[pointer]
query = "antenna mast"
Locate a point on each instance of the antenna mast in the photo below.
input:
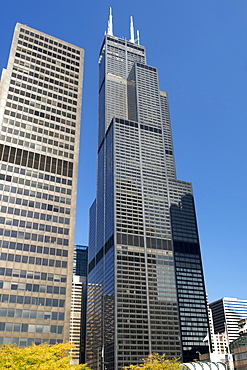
(132, 32)
(110, 24)
(138, 37)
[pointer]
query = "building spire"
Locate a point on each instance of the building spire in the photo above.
(132, 32)
(138, 37)
(110, 24)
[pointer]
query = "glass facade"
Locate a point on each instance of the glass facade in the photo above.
(80, 260)
(40, 110)
(146, 288)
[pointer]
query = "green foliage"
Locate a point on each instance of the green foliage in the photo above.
(41, 357)
(155, 362)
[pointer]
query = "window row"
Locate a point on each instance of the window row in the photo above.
(36, 237)
(33, 248)
(195, 319)
(29, 203)
(45, 50)
(36, 146)
(35, 160)
(125, 42)
(30, 214)
(196, 308)
(24, 342)
(46, 67)
(32, 287)
(189, 265)
(191, 281)
(49, 64)
(31, 314)
(31, 225)
(192, 289)
(32, 260)
(44, 86)
(30, 328)
(32, 145)
(48, 47)
(27, 110)
(132, 230)
(18, 137)
(26, 182)
(27, 54)
(45, 101)
(24, 72)
(37, 275)
(29, 135)
(198, 327)
(43, 92)
(39, 175)
(22, 77)
(7, 298)
(37, 194)
(36, 215)
(44, 38)
(62, 72)
(187, 255)
(182, 237)
(185, 272)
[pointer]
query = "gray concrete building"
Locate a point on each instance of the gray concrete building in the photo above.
(147, 289)
(40, 111)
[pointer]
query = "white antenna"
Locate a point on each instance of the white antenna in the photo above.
(138, 37)
(110, 25)
(132, 33)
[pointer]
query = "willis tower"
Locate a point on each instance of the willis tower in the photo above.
(146, 288)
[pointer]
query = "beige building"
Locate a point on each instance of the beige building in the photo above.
(40, 110)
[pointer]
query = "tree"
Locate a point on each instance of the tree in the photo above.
(155, 362)
(41, 357)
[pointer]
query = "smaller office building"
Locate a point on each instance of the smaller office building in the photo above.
(78, 304)
(226, 313)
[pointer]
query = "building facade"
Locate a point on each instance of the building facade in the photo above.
(40, 110)
(226, 313)
(219, 341)
(147, 287)
(78, 304)
(238, 348)
(80, 260)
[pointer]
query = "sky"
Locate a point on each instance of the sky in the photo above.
(200, 50)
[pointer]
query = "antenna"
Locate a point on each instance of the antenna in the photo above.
(110, 25)
(132, 32)
(138, 37)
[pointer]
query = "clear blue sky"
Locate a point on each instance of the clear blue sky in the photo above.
(200, 49)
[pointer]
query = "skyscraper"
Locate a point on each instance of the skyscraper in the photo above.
(226, 313)
(40, 109)
(147, 289)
